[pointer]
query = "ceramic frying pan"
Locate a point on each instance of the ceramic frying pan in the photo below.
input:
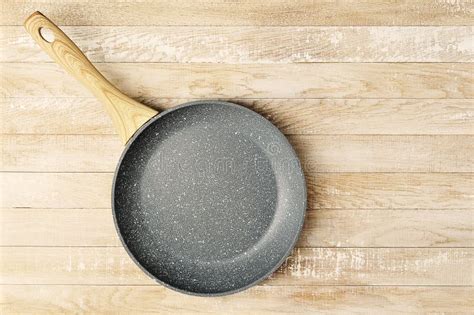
(208, 197)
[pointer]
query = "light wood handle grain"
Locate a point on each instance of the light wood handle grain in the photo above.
(127, 114)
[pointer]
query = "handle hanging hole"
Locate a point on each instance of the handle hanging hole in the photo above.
(46, 34)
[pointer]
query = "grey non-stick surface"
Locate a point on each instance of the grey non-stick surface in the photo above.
(209, 198)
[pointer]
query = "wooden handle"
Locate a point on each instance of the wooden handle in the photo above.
(127, 114)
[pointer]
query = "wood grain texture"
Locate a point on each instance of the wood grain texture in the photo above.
(376, 266)
(322, 228)
(58, 227)
(246, 12)
(388, 228)
(318, 153)
(253, 44)
(48, 115)
(127, 114)
(325, 190)
(392, 191)
(47, 299)
(315, 80)
(305, 266)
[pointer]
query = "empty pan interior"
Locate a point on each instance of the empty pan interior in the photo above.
(209, 198)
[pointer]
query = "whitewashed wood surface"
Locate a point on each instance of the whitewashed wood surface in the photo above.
(376, 97)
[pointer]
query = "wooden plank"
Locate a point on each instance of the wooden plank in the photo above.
(392, 191)
(377, 266)
(47, 299)
(311, 80)
(56, 190)
(325, 190)
(58, 227)
(355, 153)
(54, 116)
(70, 153)
(323, 228)
(252, 44)
(292, 116)
(246, 12)
(336, 153)
(388, 228)
(306, 266)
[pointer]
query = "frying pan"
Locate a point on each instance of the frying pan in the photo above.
(208, 198)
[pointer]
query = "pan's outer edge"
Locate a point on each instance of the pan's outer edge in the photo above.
(124, 152)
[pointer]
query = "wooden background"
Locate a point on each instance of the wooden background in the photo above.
(376, 96)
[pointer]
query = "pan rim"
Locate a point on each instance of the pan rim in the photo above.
(135, 260)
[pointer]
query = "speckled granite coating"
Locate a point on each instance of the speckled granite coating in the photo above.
(209, 198)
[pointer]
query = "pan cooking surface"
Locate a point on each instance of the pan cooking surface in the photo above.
(209, 198)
